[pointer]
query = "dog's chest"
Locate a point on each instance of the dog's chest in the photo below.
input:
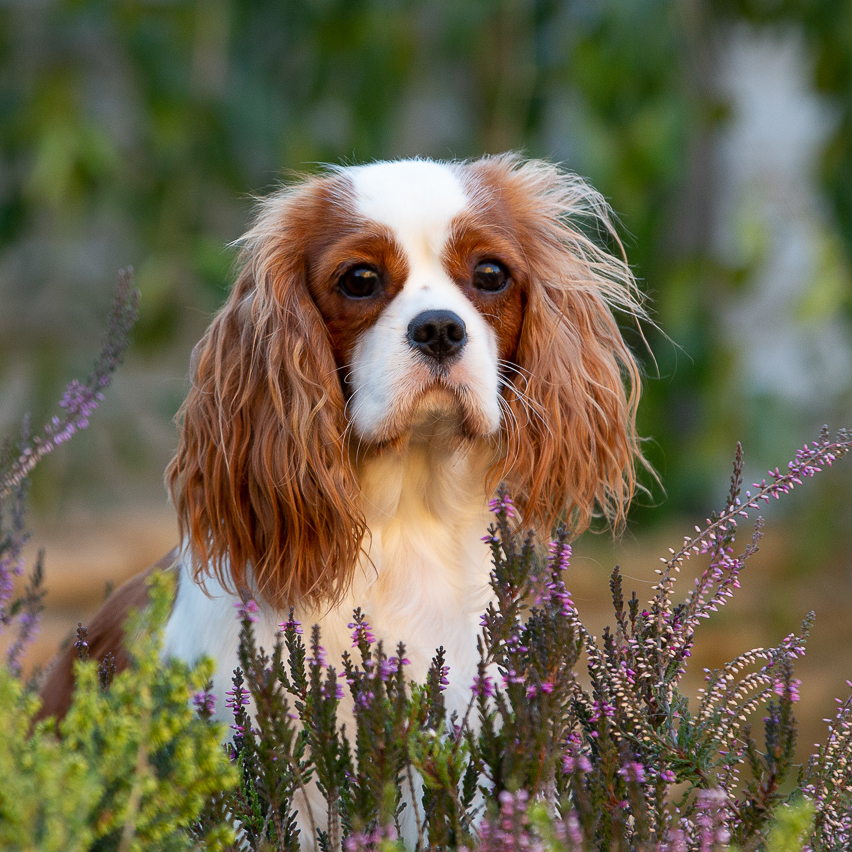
(422, 582)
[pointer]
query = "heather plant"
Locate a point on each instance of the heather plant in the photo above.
(132, 765)
(19, 617)
(539, 760)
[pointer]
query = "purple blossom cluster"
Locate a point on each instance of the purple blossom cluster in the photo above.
(318, 656)
(237, 697)
(361, 633)
(291, 624)
(78, 402)
(510, 831)
(369, 841)
(503, 504)
(204, 702)
(247, 610)
(483, 686)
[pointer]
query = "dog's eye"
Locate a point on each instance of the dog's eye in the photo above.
(490, 276)
(359, 282)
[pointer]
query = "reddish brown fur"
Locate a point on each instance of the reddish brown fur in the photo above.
(106, 635)
(472, 241)
(346, 319)
(571, 444)
(261, 475)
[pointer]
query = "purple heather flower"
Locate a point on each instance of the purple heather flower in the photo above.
(512, 676)
(574, 760)
(711, 807)
(204, 701)
(365, 698)
(28, 622)
(81, 644)
(336, 688)
(291, 624)
(247, 610)
(237, 697)
(318, 657)
(633, 771)
(503, 504)
(560, 555)
(790, 690)
(601, 708)
(361, 633)
(483, 686)
(362, 841)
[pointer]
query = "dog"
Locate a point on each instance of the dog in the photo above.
(402, 337)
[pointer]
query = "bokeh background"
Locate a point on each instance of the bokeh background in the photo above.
(721, 132)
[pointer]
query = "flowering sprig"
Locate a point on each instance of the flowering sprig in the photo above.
(79, 399)
(78, 402)
(204, 702)
(362, 636)
(807, 462)
(503, 505)
(247, 610)
(825, 781)
(27, 610)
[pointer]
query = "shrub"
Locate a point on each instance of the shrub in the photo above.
(540, 761)
(132, 765)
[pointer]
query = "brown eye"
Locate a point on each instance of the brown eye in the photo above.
(360, 282)
(490, 276)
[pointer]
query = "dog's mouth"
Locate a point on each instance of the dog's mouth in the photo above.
(439, 410)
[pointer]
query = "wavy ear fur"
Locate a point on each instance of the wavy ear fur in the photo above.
(261, 480)
(577, 384)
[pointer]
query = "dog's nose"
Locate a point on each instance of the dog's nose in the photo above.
(438, 334)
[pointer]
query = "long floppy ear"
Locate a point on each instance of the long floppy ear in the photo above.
(575, 451)
(261, 481)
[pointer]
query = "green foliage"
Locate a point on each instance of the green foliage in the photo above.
(540, 760)
(791, 827)
(131, 766)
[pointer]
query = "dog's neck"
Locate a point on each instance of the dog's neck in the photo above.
(426, 505)
(431, 474)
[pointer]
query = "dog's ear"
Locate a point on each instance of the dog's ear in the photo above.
(572, 443)
(261, 480)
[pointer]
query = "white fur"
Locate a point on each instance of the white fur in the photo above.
(418, 200)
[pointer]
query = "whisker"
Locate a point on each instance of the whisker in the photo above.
(529, 405)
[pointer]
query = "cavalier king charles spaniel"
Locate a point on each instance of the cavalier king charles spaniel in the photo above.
(402, 337)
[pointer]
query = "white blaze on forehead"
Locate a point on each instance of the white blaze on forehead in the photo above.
(416, 199)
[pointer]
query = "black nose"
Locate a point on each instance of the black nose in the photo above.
(438, 334)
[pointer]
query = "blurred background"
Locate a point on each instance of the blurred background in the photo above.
(721, 133)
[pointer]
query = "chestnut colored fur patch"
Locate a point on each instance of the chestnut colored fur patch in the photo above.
(106, 635)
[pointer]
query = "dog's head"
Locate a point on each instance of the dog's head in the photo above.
(374, 301)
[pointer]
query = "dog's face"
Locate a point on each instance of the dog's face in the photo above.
(376, 301)
(422, 302)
